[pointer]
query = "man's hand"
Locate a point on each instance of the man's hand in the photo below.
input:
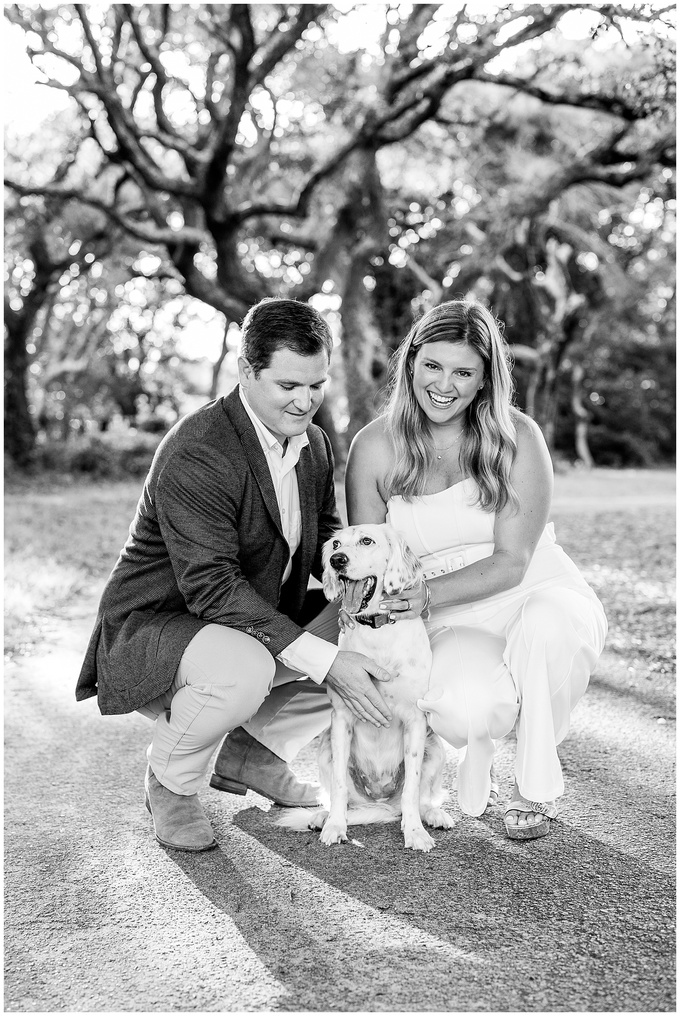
(349, 678)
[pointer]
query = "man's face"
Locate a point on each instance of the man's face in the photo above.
(287, 393)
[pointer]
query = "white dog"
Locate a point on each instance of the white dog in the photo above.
(375, 774)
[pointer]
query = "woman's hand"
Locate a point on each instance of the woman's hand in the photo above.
(345, 620)
(408, 605)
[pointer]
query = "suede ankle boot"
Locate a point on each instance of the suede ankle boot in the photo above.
(244, 764)
(179, 821)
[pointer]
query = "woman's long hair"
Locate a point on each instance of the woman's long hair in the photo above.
(489, 440)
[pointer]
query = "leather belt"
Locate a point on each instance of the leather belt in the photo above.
(449, 561)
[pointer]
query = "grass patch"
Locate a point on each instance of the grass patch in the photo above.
(606, 485)
(61, 541)
(628, 557)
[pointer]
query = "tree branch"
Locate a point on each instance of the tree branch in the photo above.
(266, 57)
(120, 120)
(587, 100)
(140, 230)
(103, 73)
(299, 207)
(425, 280)
(221, 148)
(152, 56)
(611, 11)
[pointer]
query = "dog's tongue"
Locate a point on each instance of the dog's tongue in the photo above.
(354, 594)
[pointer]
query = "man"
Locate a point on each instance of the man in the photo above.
(198, 624)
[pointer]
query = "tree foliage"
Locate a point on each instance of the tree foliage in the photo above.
(251, 152)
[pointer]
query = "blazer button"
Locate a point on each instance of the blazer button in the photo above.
(266, 639)
(250, 631)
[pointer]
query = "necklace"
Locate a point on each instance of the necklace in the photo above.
(446, 447)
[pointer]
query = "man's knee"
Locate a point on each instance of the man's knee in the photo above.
(225, 657)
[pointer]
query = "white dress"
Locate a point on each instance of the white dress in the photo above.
(524, 655)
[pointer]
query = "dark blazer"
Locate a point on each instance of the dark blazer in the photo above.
(205, 547)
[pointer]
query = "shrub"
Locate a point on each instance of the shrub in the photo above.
(618, 449)
(99, 456)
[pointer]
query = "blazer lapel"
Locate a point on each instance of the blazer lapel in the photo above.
(307, 489)
(256, 457)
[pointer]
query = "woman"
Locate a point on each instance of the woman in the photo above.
(467, 481)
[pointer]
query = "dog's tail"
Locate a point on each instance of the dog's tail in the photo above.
(374, 814)
(301, 820)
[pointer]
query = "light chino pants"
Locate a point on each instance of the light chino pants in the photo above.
(527, 665)
(224, 679)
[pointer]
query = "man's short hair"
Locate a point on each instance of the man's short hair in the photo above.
(276, 323)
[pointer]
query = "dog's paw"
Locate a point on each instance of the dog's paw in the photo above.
(418, 839)
(333, 832)
(437, 818)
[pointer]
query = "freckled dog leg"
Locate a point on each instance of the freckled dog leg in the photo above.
(415, 836)
(335, 826)
(319, 815)
(431, 790)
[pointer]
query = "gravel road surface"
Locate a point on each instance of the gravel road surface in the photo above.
(99, 918)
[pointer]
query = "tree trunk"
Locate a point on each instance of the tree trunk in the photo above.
(361, 349)
(324, 418)
(560, 327)
(581, 417)
(20, 432)
(546, 409)
(217, 366)
(533, 387)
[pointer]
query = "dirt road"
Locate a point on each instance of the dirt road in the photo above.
(100, 918)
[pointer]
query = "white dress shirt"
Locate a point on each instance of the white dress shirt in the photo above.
(308, 654)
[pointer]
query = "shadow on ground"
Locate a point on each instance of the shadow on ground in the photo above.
(561, 924)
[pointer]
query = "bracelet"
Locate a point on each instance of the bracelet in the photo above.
(428, 599)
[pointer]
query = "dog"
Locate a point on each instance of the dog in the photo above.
(373, 774)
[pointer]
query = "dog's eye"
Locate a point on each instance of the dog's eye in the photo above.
(336, 544)
(366, 541)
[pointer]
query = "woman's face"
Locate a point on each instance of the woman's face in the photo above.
(446, 378)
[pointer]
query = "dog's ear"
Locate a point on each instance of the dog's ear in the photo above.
(329, 579)
(403, 567)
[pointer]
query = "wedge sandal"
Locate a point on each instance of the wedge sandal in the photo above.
(537, 829)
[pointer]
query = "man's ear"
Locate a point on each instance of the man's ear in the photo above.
(245, 372)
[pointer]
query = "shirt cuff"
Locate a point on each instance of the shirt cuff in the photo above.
(310, 655)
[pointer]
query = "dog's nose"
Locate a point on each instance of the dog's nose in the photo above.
(339, 561)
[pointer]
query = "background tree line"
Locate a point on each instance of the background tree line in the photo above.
(214, 154)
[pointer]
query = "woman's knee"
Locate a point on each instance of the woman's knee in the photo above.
(472, 694)
(542, 616)
(561, 619)
(554, 643)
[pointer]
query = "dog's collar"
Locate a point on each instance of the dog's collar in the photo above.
(371, 620)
